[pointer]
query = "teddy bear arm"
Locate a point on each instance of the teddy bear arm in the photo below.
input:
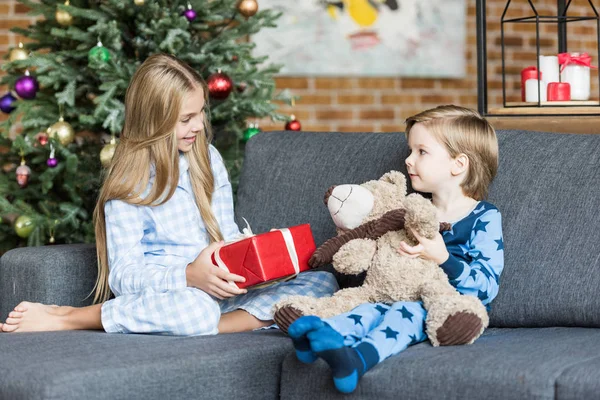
(390, 221)
(421, 216)
(355, 256)
(324, 254)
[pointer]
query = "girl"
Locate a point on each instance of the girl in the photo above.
(165, 206)
(454, 156)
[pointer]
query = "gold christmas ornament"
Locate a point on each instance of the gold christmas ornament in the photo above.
(62, 131)
(18, 53)
(248, 8)
(24, 226)
(107, 153)
(52, 229)
(63, 17)
(139, 2)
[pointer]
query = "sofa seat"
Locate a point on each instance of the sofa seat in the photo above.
(519, 363)
(98, 365)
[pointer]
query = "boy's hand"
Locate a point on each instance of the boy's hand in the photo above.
(429, 249)
(204, 275)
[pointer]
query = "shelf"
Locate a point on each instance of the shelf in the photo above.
(534, 110)
(570, 103)
(556, 124)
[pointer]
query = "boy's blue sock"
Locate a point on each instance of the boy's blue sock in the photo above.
(348, 364)
(298, 331)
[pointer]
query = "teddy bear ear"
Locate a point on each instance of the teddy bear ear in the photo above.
(396, 178)
(328, 194)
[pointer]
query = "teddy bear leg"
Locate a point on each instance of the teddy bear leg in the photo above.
(294, 307)
(452, 318)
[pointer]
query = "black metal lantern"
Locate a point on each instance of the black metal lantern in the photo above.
(561, 19)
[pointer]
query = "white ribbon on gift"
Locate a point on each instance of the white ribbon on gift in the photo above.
(247, 233)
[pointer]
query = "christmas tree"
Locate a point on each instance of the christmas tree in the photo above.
(67, 91)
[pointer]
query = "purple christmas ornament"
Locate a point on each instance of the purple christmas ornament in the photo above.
(52, 162)
(26, 87)
(7, 103)
(190, 14)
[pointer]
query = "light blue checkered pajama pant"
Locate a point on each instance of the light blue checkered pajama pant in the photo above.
(191, 311)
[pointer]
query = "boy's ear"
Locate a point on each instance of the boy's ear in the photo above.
(461, 164)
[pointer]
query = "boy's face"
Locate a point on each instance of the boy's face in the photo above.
(191, 120)
(429, 164)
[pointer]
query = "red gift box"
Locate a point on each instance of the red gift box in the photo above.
(268, 256)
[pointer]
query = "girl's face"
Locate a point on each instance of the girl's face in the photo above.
(429, 164)
(191, 120)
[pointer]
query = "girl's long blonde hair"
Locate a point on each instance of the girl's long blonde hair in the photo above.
(152, 106)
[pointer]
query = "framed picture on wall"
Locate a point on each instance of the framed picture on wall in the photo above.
(413, 38)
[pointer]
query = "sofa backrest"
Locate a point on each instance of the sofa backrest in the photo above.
(547, 190)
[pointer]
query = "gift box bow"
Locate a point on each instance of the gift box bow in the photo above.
(583, 59)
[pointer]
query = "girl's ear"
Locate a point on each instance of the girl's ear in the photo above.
(460, 164)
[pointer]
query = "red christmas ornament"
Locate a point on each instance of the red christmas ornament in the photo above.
(219, 85)
(293, 125)
(43, 139)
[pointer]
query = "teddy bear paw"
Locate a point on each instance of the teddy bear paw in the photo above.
(460, 328)
(285, 316)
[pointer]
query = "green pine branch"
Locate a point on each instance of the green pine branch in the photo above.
(90, 96)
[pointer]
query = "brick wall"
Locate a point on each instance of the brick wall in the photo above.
(381, 104)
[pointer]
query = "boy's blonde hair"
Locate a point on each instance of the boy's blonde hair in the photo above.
(464, 131)
(152, 106)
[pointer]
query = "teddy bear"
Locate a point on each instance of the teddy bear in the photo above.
(371, 221)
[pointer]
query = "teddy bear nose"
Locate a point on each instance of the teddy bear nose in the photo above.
(328, 194)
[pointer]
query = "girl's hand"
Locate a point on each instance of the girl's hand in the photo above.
(204, 275)
(429, 249)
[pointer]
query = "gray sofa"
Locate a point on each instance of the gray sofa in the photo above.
(543, 343)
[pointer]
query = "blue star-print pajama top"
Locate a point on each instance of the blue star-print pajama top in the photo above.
(473, 268)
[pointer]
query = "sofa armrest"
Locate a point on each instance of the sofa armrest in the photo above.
(63, 275)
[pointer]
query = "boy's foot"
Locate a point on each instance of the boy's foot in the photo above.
(347, 363)
(36, 317)
(298, 331)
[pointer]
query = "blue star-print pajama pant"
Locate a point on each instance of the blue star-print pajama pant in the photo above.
(390, 329)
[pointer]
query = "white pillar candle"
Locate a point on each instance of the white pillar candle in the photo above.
(531, 90)
(549, 68)
(578, 76)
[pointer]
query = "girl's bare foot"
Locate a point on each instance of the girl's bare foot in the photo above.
(36, 317)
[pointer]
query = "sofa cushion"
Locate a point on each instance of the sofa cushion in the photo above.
(548, 192)
(98, 365)
(286, 174)
(63, 275)
(503, 364)
(580, 381)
